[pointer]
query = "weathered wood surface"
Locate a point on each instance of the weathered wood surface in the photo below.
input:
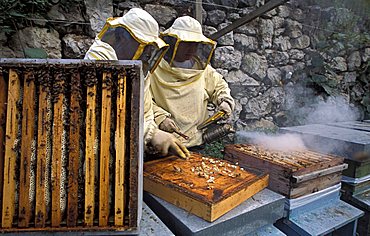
(120, 151)
(64, 115)
(43, 132)
(283, 166)
(67, 230)
(56, 167)
(352, 189)
(314, 185)
(104, 150)
(136, 118)
(74, 150)
(3, 101)
(10, 151)
(90, 156)
(204, 186)
(28, 131)
(359, 167)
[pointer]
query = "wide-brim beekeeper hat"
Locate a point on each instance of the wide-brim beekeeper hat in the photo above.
(141, 25)
(187, 29)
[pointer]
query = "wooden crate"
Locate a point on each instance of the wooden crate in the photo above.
(350, 188)
(356, 168)
(292, 174)
(72, 152)
(204, 186)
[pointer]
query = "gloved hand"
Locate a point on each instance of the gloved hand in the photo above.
(163, 142)
(224, 106)
(168, 125)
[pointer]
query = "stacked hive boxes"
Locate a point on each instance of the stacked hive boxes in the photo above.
(350, 140)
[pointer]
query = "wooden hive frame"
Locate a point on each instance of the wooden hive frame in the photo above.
(205, 186)
(292, 174)
(70, 145)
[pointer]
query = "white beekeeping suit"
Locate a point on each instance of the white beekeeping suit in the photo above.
(134, 36)
(184, 83)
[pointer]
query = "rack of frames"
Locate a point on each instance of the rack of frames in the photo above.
(71, 145)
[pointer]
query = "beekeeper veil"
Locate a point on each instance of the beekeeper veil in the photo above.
(189, 48)
(135, 37)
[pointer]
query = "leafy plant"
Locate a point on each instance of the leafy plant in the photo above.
(214, 149)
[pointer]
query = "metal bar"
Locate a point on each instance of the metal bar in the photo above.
(3, 100)
(74, 150)
(90, 153)
(315, 174)
(28, 131)
(56, 168)
(119, 204)
(104, 150)
(198, 11)
(245, 19)
(10, 152)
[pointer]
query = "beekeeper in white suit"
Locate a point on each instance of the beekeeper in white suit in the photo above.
(134, 36)
(184, 83)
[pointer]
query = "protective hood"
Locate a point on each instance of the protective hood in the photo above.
(142, 26)
(188, 45)
(100, 51)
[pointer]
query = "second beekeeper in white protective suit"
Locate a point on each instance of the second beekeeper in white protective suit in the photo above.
(184, 83)
(134, 36)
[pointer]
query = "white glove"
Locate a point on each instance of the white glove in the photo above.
(224, 106)
(168, 125)
(163, 142)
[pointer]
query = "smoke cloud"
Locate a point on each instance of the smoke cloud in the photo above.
(303, 106)
(281, 142)
(335, 109)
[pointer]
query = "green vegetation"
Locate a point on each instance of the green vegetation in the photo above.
(214, 149)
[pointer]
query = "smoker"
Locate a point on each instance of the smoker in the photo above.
(72, 153)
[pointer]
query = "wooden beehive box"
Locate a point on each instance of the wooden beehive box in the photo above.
(204, 186)
(355, 188)
(72, 149)
(357, 168)
(292, 174)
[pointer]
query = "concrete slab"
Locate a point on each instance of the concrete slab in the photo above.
(337, 216)
(151, 225)
(268, 230)
(357, 125)
(262, 209)
(330, 139)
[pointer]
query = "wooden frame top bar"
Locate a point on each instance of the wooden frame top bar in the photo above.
(18, 62)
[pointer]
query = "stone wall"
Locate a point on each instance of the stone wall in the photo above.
(279, 67)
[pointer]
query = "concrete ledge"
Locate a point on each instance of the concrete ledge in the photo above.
(262, 209)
